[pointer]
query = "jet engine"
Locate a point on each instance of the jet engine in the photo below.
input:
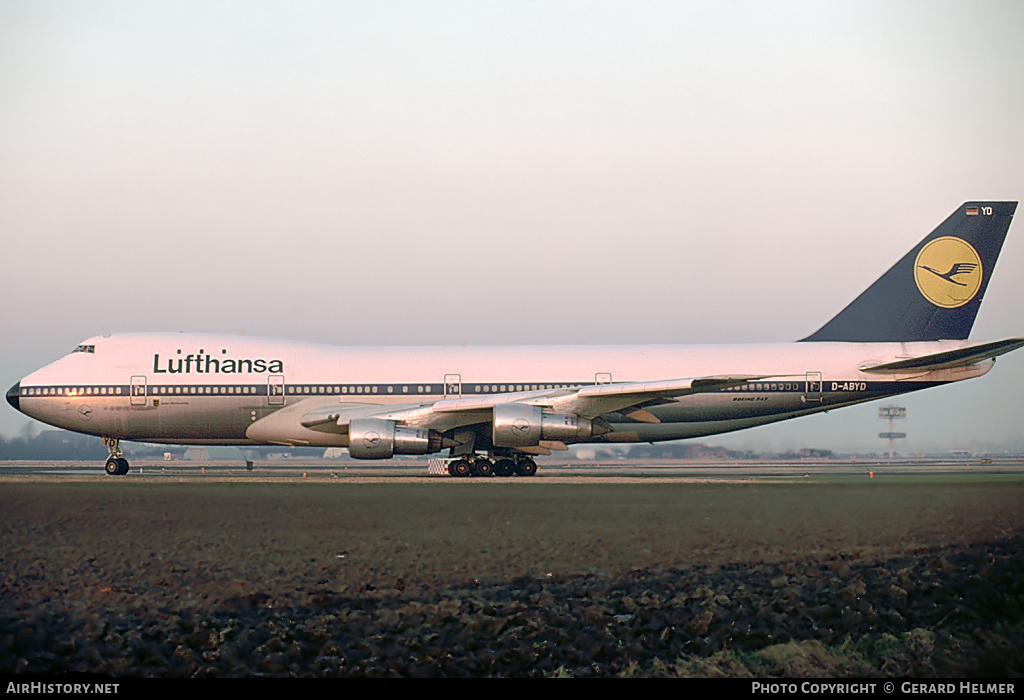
(377, 438)
(520, 425)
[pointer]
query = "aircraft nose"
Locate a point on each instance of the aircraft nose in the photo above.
(14, 396)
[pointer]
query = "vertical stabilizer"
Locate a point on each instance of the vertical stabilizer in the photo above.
(935, 290)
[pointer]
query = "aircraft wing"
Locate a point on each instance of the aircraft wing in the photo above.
(328, 418)
(595, 400)
(950, 358)
(587, 401)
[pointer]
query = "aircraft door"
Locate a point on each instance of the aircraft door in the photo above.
(452, 385)
(137, 392)
(812, 391)
(275, 390)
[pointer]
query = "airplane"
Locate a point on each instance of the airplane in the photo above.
(494, 409)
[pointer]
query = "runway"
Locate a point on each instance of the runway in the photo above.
(576, 472)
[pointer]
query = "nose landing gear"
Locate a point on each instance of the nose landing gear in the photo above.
(116, 464)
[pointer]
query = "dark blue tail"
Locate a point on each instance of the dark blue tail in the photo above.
(934, 292)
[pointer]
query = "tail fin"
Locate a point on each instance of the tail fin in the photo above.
(934, 292)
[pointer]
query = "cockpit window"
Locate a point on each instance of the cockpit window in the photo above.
(85, 348)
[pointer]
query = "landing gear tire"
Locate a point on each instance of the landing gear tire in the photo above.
(504, 467)
(526, 467)
(483, 467)
(117, 466)
(460, 467)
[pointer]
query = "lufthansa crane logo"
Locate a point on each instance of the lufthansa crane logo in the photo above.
(948, 272)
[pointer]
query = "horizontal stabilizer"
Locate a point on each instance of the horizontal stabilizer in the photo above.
(950, 358)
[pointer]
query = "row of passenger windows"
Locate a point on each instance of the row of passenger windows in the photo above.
(136, 389)
(306, 390)
(155, 390)
(419, 388)
(766, 386)
(501, 388)
(356, 389)
(72, 391)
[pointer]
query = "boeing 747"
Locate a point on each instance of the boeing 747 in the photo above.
(495, 408)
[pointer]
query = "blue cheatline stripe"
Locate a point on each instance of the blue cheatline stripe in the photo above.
(424, 389)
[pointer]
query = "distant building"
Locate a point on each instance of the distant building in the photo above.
(812, 453)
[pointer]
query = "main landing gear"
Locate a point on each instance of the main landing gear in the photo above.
(116, 464)
(482, 466)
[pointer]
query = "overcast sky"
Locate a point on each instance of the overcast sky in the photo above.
(504, 173)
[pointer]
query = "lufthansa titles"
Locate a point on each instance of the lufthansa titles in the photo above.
(202, 363)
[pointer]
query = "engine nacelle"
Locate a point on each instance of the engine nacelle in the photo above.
(378, 438)
(520, 425)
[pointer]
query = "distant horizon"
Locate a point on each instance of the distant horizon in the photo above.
(710, 442)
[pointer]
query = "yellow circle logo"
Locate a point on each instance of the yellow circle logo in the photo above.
(948, 272)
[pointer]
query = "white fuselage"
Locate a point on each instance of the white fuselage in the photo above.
(210, 389)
